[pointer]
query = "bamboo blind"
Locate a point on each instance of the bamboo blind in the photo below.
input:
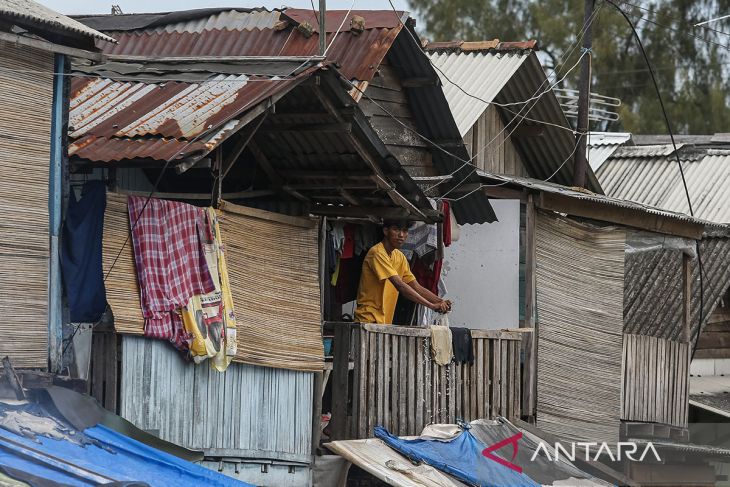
(25, 135)
(274, 274)
(580, 278)
(655, 380)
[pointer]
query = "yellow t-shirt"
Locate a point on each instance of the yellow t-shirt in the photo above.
(376, 296)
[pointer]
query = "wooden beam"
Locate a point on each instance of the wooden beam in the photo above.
(201, 196)
(239, 147)
(312, 127)
(271, 173)
(632, 217)
(687, 299)
(359, 211)
(51, 47)
(297, 221)
(529, 398)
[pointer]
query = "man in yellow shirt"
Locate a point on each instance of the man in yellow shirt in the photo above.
(385, 274)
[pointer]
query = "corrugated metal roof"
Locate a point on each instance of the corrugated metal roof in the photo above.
(113, 120)
(467, 71)
(637, 151)
(601, 145)
(511, 77)
(35, 13)
(711, 392)
(253, 33)
(652, 177)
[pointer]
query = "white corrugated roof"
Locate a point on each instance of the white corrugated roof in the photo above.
(651, 177)
(482, 74)
(602, 145)
(30, 10)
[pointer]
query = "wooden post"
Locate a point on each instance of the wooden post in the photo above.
(340, 380)
(687, 298)
(317, 411)
(529, 377)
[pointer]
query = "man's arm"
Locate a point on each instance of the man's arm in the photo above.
(410, 293)
(444, 304)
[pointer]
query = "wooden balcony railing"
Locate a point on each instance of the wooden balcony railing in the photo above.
(384, 375)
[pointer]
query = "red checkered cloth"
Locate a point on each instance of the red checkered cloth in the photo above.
(170, 262)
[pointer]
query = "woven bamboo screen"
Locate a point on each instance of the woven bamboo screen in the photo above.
(25, 136)
(580, 279)
(274, 273)
(273, 267)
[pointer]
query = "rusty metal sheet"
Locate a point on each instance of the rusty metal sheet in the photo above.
(357, 55)
(119, 120)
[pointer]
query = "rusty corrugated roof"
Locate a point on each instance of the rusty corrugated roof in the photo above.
(115, 120)
(263, 33)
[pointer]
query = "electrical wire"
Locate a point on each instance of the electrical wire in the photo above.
(678, 20)
(679, 165)
(352, 5)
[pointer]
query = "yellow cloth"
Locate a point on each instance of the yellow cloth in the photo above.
(441, 345)
(210, 319)
(376, 296)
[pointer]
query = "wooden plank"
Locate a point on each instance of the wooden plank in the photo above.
(481, 403)
(371, 378)
(653, 345)
(451, 399)
(268, 215)
(403, 380)
(363, 385)
(686, 297)
(411, 399)
(380, 384)
(503, 377)
(443, 394)
(495, 362)
(405, 331)
(340, 381)
(530, 392)
(420, 384)
(386, 381)
(427, 381)
(516, 382)
(459, 390)
(394, 385)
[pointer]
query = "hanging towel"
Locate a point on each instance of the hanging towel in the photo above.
(170, 262)
(83, 276)
(422, 239)
(441, 348)
(463, 350)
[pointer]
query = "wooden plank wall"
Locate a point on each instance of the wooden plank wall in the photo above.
(714, 341)
(397, 385)
(104, 369)
(412, 152)
(655, 380)
(501, 156)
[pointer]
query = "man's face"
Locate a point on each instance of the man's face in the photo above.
(395, 236)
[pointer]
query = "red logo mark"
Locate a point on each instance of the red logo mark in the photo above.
(511, 440)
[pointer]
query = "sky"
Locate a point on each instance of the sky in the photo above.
(72, 7)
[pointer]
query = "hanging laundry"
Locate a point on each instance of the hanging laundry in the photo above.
(427, 274)
(365, 238)
(447, 222)
(210, 319)
(81, 266)
(170, 262)
(422, 239)
(348, 278)
(337, 232)
(463, 351)
(348, 246)
(441, 347)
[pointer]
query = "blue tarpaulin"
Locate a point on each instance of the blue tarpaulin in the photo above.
(81, 254)
(99, 455)
(460, 457)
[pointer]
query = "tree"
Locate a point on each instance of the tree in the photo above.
(692, 64)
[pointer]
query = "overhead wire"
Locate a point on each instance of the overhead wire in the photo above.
(679, 165)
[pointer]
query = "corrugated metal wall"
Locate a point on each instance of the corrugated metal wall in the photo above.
(26, 98)
(247, 411)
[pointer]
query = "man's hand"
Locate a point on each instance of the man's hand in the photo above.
(441, 306)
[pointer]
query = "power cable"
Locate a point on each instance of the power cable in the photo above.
(679, 164)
